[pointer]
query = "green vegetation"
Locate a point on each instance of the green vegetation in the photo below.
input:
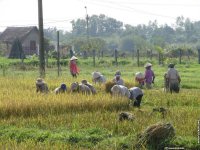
(74, 121)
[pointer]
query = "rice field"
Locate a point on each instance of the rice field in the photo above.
(30, 120)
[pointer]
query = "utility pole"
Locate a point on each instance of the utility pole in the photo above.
(41, 39)
(87, 19)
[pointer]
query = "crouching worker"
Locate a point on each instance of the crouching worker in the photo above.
(41, 86)
(93, 90)
(61, 89)
(97, 77)
(136, 95)
(118, 80)
(120, 90)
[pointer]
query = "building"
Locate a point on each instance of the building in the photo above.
(28, 36)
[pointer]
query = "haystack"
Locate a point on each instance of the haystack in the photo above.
(156, 136)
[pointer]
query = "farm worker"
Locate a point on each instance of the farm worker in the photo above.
(173, 78)
(85, 82)
(41, 86)
(139, 78)
(61, 89)
(73, 67)
(97, 77)
(136, 95)
(118, 80)
(149, 76)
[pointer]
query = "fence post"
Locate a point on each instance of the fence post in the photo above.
(116, 56)
(180, 56)
(199, 55)
(94, 53)
(138, 58)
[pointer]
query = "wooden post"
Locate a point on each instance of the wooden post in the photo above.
(133, 54)
(159, 58)
(116, 56)
(102, 53)
(180, 55)
(199, 55)
(188, 54)
(94, 53)
(138, 57)
(41, 39)
(58, 53)
(151, 54)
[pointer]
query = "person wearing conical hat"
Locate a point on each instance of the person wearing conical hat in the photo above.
(74, 70)
(149, 76)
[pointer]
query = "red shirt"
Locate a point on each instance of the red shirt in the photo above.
(73, 67)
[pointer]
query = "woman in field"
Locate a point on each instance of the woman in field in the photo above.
(74, 70)
(149, 76)
(136, 95)
(117, 79)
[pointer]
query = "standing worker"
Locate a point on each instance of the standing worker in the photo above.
(173, 78)
(74, 70)
(149, 76)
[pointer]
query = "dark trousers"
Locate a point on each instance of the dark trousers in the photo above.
(74, 75)
(138, 100)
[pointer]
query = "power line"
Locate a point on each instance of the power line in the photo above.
(149, 4)
(131, 9)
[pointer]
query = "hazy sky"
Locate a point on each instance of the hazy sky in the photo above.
(59, 13)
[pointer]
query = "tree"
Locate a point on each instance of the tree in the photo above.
(127, 44)
(17, 50)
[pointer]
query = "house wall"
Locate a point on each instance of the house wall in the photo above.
(32, 36)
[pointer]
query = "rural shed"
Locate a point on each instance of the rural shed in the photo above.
(28, 36)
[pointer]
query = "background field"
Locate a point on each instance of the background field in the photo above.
(74, 121)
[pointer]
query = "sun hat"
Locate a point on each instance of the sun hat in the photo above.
(73, 58)
(147, 65)
(40, 81)
(139, 75)
(96, 75)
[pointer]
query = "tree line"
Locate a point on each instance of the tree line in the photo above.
(107, 34)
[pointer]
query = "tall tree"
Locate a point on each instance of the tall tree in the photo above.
(16, 50)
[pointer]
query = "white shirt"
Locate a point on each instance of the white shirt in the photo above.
(172, 74)
(135, 92)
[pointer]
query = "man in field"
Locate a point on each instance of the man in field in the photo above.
(173, 78)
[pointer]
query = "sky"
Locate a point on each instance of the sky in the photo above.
(59, 13)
